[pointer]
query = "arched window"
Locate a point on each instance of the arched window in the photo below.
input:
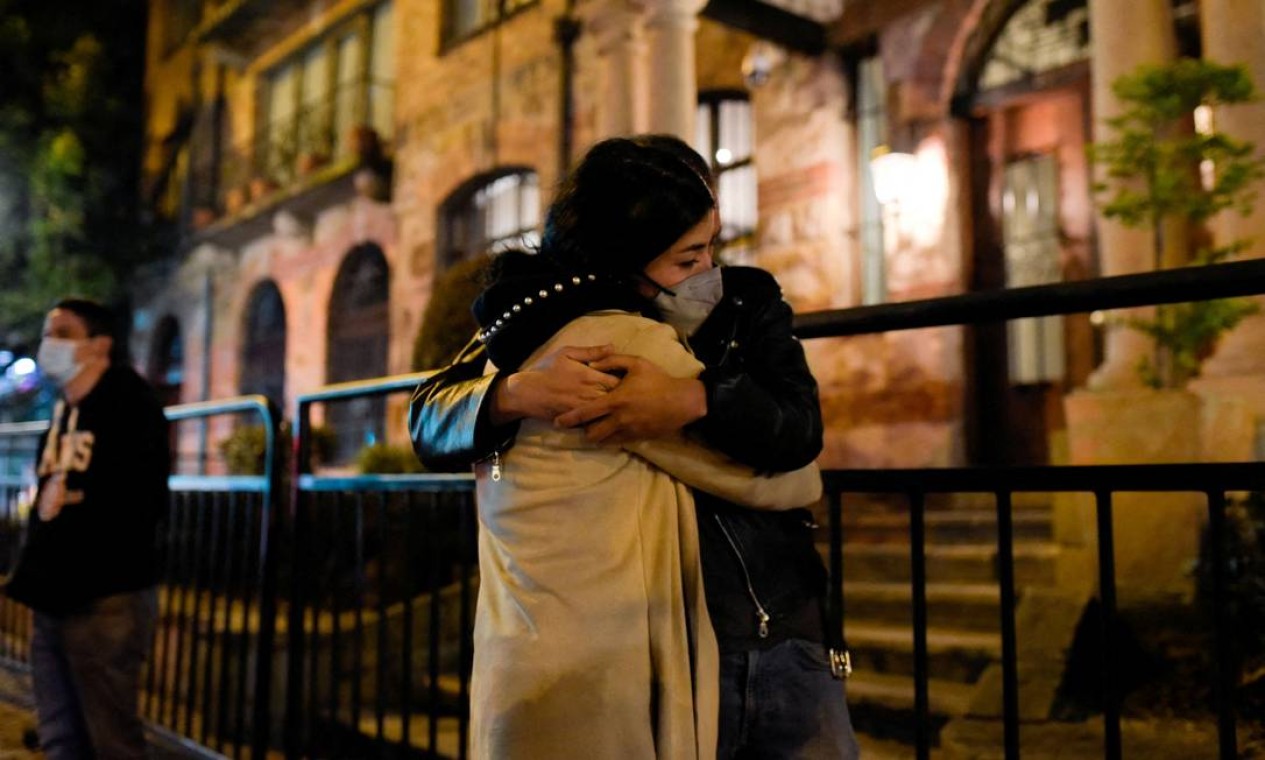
(726, 138)
(1042, 36)
(489, 214)
(263, 360)
(359, 334)
(166, 361)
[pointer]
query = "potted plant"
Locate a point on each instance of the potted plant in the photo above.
(235, 198)
(261, 186)
(311, 161)
(1164, 174)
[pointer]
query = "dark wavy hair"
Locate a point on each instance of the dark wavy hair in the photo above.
(626, 203)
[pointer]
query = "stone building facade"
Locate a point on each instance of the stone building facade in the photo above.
(325, 160)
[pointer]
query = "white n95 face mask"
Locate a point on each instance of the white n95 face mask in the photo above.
(687, 305)
(56, 359)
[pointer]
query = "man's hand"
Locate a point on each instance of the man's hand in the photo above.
(555, 386)
(647, 404)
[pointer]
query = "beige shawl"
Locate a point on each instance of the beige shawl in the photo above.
(592, 637)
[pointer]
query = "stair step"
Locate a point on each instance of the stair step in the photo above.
(967, 563)
(952, 655)
(896, 693)
(969, 606)
(952, 526)
(447, 738)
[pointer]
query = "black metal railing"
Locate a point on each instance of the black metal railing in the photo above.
(18, 455)
(209, 676)
(207, 682)
(379, 646)
(372, 576)
(1214, 481)
(1103, 483)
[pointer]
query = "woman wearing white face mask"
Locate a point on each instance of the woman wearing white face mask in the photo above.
(756, 401)
(592, 632)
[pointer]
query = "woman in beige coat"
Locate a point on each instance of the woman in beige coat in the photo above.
(591, 636)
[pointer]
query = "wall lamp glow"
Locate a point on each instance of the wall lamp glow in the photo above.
(894, 174)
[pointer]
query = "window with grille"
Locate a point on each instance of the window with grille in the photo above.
(466, 18)
(1042, 36)
(871, 132)
(491, 214)
(314, 100)
(726, 138)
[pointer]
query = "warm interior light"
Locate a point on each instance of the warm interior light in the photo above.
(893, 173)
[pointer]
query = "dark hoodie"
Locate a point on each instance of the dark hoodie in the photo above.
(113, 447)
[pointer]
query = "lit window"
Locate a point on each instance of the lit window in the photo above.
(314, 100)
(871, 132)
(1042, 36)
(725, 137)
(491, 214)
(1030, 237)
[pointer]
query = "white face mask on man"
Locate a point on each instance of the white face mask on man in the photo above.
(56, 359)
(687, 305)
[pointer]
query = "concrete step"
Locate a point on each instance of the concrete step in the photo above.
(896, 693)
(952, 655)
(967, 563)
(447, 729)
(947, 527)
(967, 606)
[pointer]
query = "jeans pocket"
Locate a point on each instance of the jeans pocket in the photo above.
(810, 654)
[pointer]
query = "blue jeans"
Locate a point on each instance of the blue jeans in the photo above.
(86, 669)
(783, 703)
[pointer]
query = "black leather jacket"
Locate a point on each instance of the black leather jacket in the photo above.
(762, 574)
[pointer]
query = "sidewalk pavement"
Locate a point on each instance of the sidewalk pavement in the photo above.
(17, 716)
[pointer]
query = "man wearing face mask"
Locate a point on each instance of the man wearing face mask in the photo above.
(88, 567)
(756, 401)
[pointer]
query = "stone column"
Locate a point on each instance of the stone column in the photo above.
(616, 28)
(670, 25)
(1234, 33)
(1125, 35)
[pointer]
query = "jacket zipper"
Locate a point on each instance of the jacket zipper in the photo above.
(496, 465)
(761, 614)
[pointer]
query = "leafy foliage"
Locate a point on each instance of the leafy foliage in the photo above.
(387, 459)
(244, 449)
(1154, 163)
(69, 154)
(448, 323)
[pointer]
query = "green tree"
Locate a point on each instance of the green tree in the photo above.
(1155, 161)
(70, 132)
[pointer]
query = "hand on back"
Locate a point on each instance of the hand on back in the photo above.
(554, 386)
(647, 403)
